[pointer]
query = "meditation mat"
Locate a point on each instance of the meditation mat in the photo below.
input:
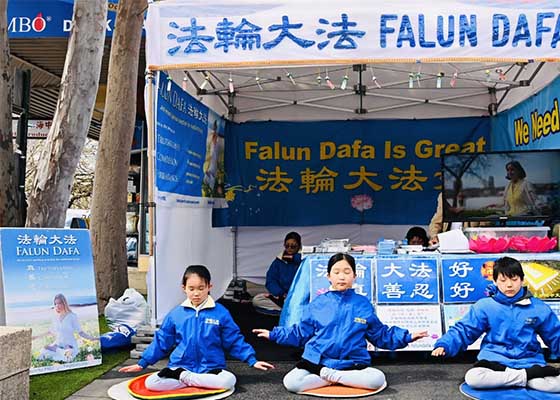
(512, 393)
(135, 389)
(343, 391)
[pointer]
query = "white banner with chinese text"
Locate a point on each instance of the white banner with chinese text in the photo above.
(196, 34)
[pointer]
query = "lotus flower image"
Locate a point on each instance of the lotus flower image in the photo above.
(361, 202)
(533, 244)
(482, 244)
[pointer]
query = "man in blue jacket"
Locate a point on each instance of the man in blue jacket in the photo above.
(510, 354)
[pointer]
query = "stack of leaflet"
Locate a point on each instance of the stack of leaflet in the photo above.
(333, 246)
(386, 246)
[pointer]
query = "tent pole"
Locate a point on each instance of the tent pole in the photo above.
(151, 129)
(360, 89)
(234, 231)
(150, 204)
(231, 115)
(361, 93)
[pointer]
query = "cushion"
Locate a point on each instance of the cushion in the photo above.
(509, 393)
(135, 388)
(342, 391)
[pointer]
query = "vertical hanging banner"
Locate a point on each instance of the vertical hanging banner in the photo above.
(49, 286)
(306, 32)
(189, 149)
(531, 125)
(341, 172)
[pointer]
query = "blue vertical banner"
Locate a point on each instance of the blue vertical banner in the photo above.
(363, 284)
(49, 286)
(465, 278)
(407, 280)
(341, 172)
(533, 124)
(189, 149)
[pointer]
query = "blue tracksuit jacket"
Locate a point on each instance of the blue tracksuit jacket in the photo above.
(281, 274)
(334, 330)
(511, 326)
(199, 339)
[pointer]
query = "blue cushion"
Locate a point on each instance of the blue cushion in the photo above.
(511, 393)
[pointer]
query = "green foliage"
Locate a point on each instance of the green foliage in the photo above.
(59, 385)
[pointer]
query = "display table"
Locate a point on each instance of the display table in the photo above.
(424, 291)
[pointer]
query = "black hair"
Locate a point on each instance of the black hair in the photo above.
(341, 256)
(199, 270)
(509, 267)
(294, 236)
(517, 166)
(417, 231)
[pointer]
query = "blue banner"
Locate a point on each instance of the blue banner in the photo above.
(48, 18)
(362, 285)
(407, 280)
(465, 278)
(49, 286)
(189, 148)
(341, 172)
(531, 125)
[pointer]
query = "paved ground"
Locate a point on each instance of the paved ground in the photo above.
(410, 375)
(407, 381)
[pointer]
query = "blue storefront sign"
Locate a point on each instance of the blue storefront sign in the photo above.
(407, 280)
(48, 18)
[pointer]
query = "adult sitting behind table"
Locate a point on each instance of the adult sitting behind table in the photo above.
(436, 223)
(279, 276)
(417, 236)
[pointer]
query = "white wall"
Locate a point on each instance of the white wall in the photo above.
(185, 236)
(257, 246)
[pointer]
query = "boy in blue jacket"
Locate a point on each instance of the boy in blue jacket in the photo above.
(197, 333)
(510, 354)
(280, 275)
(334, 330)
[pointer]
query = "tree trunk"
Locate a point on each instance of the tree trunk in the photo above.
(50, 194)
(8, 185)
(108, 211)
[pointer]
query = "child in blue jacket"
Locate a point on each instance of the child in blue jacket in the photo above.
(197, 333)
(280, 275)
(510, 354)
(334, 330)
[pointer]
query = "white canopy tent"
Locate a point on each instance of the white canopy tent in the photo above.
(294, 85)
